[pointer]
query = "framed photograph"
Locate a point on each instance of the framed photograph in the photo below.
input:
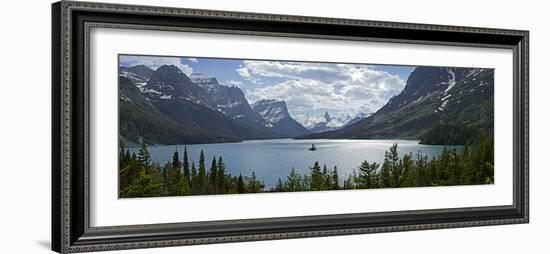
(181, 126)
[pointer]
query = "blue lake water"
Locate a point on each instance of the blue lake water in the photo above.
(274, 158)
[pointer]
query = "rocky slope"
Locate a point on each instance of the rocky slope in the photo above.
(276, 114)
(433, 97)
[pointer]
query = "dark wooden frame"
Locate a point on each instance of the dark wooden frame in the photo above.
(71, 22)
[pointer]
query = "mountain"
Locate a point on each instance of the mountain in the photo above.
(433, 97)
(140, 119)
(326, 122)
(203, 80)
(138, 74)
(171, 109)
(357, 118)
(169, 82)
(230, 100)
(276, 114)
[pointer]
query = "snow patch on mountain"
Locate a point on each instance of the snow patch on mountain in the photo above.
(328, 122)
(273, 111)
(452, 83)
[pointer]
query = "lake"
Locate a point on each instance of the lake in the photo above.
(274, 158)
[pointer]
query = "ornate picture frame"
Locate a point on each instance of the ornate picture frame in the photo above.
(71, 24)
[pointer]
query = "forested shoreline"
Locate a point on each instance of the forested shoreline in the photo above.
(139, 176)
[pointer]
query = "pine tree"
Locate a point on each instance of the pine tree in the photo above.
(143, 154)
(456, 169)
(186, 174)
(444, 167)
(432, 172)
(176, 163)
(317, 180)
(213, 176)
(327, 184)
(254, 186)
(407, 177)
(134, 156)
(202, 180)
(221, 176)
(335, 180)
(195, 186)
(421, 168)
(396, 167)
(351, 182)
(294, 181)
(121, 156)
(385, 172)
(280, 186)
(240, 185)
(368, 177)
(143, 185)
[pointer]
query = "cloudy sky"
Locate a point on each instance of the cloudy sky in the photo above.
(308, 88)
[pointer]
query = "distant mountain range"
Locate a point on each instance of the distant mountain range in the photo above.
(438, 106)
(327, 122)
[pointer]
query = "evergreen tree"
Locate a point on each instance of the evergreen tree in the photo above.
(280, 186)
(202, 180)
(317, 180)
(433, 172)
(443, 168)
(213, 176)
(134, 157)
(240, 185)
(421, 167)
(254, 185)
(351, 182)
(186, 173)
(220, 181)
(143, 154)
(407, 177)
(175, 183)
(294, 181)
(176, 163)
(395, 166)
(456, 168)
(143, 186)
(368, 178)
(335, 180)
(385, 172)
(195, 186)
(327, 185)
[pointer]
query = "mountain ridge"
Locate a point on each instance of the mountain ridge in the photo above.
(275, 112)
(166, 106)
(433, 96)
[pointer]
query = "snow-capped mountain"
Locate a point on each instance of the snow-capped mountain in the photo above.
(230, 100)
(169, 82)
(432, 97)
(327, 122)
(276, 114)
(138, 74)
(182, 111)
(203, 80)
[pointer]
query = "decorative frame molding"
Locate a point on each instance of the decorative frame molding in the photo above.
(71, 22)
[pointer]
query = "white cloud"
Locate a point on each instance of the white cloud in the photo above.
(234, 82)
(192, 59)
(341, 89)
(154, 62)
(243, 72)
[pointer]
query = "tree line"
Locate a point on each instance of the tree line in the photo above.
(139, 177)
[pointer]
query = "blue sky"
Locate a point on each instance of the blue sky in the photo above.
(308, 88)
